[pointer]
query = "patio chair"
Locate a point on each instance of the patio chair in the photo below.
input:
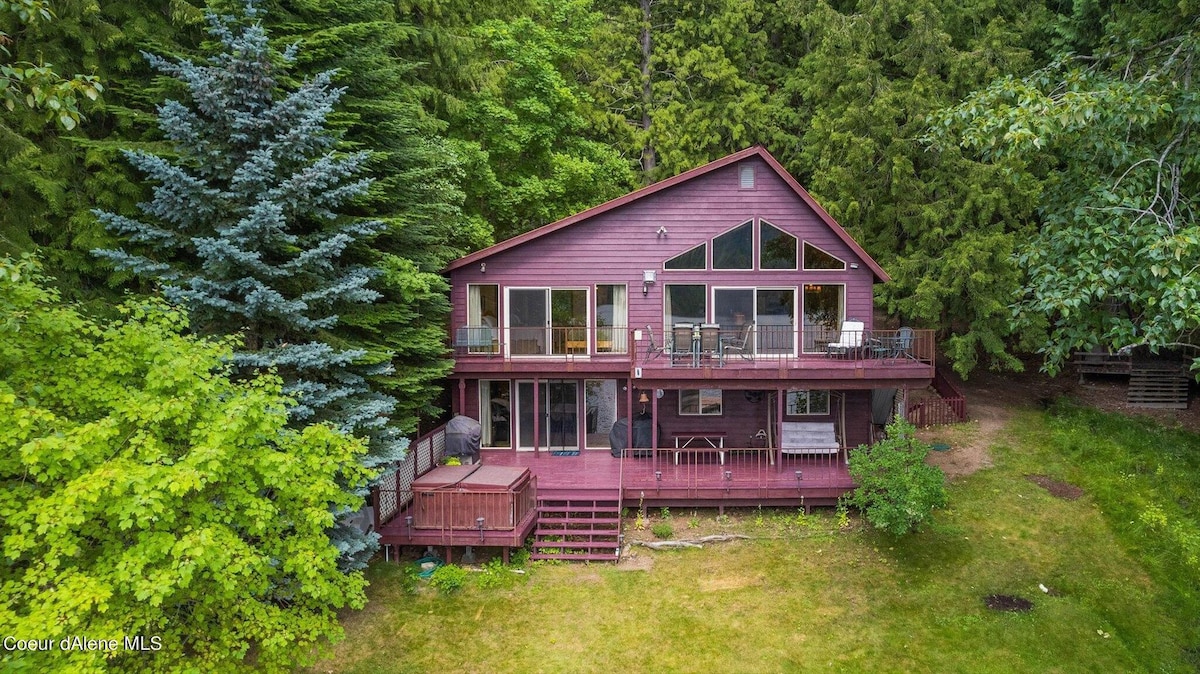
(710, 341)
(850, 340)
(681, 343)
(743, 343)
(903, 344)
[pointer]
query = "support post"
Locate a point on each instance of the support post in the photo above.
(537, 415)
(780, 397)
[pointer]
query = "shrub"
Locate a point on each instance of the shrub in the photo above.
(449, 578)
(897, 492)
(662, 530)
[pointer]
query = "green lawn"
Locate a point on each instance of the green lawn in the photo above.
(806, 595)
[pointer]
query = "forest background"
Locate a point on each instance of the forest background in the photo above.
(1026, 171)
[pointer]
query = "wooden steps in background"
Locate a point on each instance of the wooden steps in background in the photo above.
(1158, 385)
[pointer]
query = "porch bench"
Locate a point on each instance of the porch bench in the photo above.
(809, 437)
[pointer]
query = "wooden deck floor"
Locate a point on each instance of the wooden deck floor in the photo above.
(703, 479)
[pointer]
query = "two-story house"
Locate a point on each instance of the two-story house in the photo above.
(720, 317)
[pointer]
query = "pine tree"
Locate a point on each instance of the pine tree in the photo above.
(244, 230)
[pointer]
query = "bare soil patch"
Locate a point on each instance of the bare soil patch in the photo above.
(1056, 488)
(992, 397)
(1007, 602)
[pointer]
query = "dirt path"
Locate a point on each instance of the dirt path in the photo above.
(993, 398)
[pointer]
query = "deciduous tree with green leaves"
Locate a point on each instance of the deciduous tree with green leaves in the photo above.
(145, 492)
(1111, 134)
(897, 491)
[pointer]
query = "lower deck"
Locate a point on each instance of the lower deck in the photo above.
(707, 477)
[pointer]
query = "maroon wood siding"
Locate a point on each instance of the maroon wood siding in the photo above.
(616, 246)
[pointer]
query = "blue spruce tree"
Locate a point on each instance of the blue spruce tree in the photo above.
(243, 229)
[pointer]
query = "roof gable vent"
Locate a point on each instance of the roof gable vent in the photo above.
(746, 176)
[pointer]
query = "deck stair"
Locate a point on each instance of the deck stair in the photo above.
(1158, 384)
(578, 526)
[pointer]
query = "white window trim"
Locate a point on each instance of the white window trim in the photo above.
(797, 319)
(810, 413)
(508, 326)
(842, 309)
(700, 403)
(758, 249)
(712, 262)
(707, 259)
(845, 265)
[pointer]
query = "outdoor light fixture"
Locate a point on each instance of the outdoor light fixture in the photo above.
(799, 477)
(729, 476)
(479, 523)
(408, 520)
(649, 276)
(662, 231)
(482, 267)
(658, 475)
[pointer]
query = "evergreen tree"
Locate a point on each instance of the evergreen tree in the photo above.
(243, 229)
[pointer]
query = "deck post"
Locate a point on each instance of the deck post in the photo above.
(654, 422)
(780, 396)
(537, 415)
(462, 396)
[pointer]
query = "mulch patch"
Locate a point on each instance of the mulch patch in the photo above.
(1006, 602)
(1059, 489)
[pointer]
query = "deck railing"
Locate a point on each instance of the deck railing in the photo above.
(554, 342)
(451, 510)
(780, 345)
(394, 490)
(950, 407)
(739, 472)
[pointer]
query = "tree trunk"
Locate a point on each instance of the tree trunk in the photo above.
(649, 160)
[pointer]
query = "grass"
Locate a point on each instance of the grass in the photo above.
(809, 595)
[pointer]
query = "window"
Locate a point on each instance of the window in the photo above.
(495, 413)
(824, 311)
(776, 248)
(815, 258)
(694, 258)
(700, 402)
(735, 249)
(600, 400)
(483, 306)
(772, 310)
(545, 321)
(684, 304)
(802, 403)
(746, 176)
(612, 310)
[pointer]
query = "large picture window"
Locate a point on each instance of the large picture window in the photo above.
(684, 304)
(805, 403)
(700, 402)
(772, 310)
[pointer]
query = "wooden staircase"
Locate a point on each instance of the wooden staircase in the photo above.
(578, 526)
(1158, 384)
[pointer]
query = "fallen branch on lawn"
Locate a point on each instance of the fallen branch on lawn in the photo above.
(694, 543)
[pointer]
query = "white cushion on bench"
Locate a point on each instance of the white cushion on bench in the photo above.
(807, 437)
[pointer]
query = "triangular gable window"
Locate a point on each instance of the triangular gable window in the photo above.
(815, 258)
(735, 249)
(777, 248)
(694, 258)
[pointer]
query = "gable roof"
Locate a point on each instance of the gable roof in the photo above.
(755, 151)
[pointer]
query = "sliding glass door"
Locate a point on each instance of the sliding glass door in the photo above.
(772, 310)
(557, 414)
(547, 321)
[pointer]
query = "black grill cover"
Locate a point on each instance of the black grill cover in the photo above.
(462, 437)
(642, 432)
